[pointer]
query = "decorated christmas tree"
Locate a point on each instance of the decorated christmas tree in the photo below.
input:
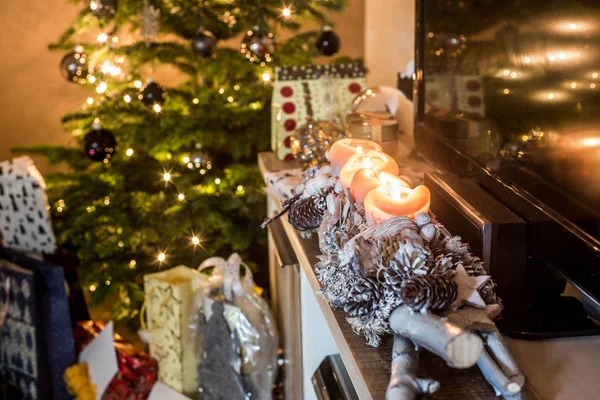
(164, 173)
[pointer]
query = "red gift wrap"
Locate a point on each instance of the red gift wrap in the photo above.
(137, 370)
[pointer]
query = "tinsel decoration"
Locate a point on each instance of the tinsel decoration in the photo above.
(104, 10)
(100, 144)
(311, 141)
(73, 65)
(149, 22)
(153, 93)
(328, 43)
(258, 45)
(203, 44)
(428, 293)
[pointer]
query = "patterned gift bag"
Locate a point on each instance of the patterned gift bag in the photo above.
(24, 219)
(169, 300)
(36, 342)
(320, 92)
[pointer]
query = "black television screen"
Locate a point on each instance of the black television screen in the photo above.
(511, 89)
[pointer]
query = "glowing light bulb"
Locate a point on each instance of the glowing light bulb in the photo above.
(195, 101)
(132, 264)
(573, 85)
(105, 67)
(592, 86)
(506, 72)
(286, 12)
(127, 98)
(181, 197)
(552, 57)
(551, 96)
(266, 77)
(195, 240)
(91, 78)
(102, 38)
(157, 108)
(514, 75)
(595, 75)
(107, 282)
(102, 86)
(217, 181)
(166, 177)
(506, 91)
(527, 60)
(129, 152)
(161, 257)
(236, 87)
(137, 84)
(93, 5)
(92, 288)
(230, 99)
(562, 55)
(240, 188)
(572, 27)
(114, 70)
(90, 100)
(221, 91)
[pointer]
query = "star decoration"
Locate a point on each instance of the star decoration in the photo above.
(468, 288)
(476, 319)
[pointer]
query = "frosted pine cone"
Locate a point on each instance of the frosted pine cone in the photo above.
(363, 298)
(428, 293)
(306, 214)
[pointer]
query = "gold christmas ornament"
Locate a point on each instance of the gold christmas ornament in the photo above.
(311, 141)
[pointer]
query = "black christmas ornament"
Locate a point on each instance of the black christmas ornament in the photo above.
(203, 44)
(73, 65)
(153, 93)
(100, 144)
(328, 43)
(104, 9)
(258, 45)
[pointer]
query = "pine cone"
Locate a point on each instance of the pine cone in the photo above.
(429, 292)
(414, 258)
(393, 276)
(363, 298)
(306, 214)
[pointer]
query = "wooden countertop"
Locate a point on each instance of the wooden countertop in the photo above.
(369, 367)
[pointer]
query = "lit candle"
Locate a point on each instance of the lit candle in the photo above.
(343, 149)
(394, 200)
(374, 160)
(367, 179)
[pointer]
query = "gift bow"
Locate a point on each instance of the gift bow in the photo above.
(229, 271)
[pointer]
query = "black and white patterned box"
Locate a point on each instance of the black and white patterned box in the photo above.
(24, 219)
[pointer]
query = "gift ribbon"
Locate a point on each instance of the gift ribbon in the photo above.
(4, 310)
(231, 274)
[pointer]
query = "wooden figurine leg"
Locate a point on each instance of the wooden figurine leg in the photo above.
(404, 384)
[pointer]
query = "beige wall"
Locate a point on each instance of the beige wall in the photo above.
(389, 39)
(33, 94)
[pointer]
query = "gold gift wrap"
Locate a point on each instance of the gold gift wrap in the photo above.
(379, 127)
(169, 299)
